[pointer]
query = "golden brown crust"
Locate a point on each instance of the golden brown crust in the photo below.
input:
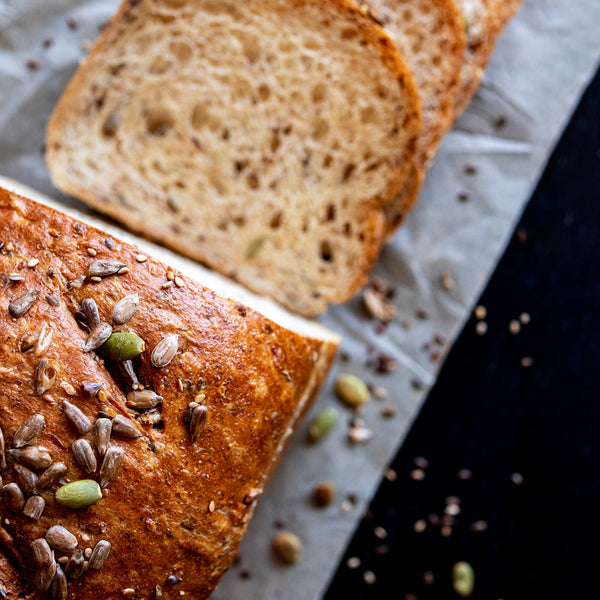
(405, 199)
(256, 379)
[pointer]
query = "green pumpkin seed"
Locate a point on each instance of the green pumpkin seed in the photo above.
(322, 424)
(463, 579)
(122, 345)
(79, 494)
(352, 390)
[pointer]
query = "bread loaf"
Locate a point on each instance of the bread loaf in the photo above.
(262, 138)
(200, 417)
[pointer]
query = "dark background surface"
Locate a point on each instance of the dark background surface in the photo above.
(489, 414)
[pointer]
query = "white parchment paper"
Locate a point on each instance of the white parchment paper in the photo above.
(494, 156)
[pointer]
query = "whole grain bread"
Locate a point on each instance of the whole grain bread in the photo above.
(174, 515)
(484, 21)
(262, 138)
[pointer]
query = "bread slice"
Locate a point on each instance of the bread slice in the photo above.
(262, 138)
(430, 36)
(484, 21)
(174, 515)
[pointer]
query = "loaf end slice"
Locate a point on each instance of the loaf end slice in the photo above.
(261, 138)
(175, 512)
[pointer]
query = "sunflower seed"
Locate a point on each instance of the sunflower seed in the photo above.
(19, 306)
(15, 277)
(91, 387)
(165, 350)
(76, 417)
(102, 429)
(97, 337)
(29, 430)
(143, 399)
(25, 478)
(61, 539)
(51, 475)
(198, 422)
(111, 465)
(42, 553)
(34, 457)
(44, 376)
(2, 450)
(68, 388)
(90, 309)
(99, 555)
(126, 367)
(34, 507)
(13, 496)
(59, 587)
(74, 566)
(44, 340)
(125, 309)
(84, 455)
(104, 268)
(125, 427)
(52, 300)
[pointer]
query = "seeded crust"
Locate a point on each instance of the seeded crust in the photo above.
(257, 379)
(261, 138)
(484, 20)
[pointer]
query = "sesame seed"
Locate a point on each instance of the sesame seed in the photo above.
(452, 509)
(92, 252)
(346, 506)
(211, 506)
(128, 592)
(369, 577)
(166, 285)
(87, 552)
(465, 474)
(428, 578)
(123, 271)
(446, 530)
(417, 474)
(514, 327)
(446, 282)
(480, 312)
(96, 279)
(525, 318)
(353, 562)
(179, 281)
(527, 362)
(517, 478)
(407, 323)
(141, 258)
(479, 526)
(391, 475)
(421, 462)
(481, 328)
(170, 275)
(380, 533)
(9, 247)
(420, 526)
(33, 262)
(63, 559)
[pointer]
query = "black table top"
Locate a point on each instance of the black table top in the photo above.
(517, 412)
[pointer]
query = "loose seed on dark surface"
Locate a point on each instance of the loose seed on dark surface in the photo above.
(99, 555)
(104, 268)
(61, 539)
(102, 430)
(28, 430)
(79, 494)
(352, 390)
(51, 475)
(517, 478)
(84, 455)
(322, 424)
(198, 422)
(143, 399)
(34, 507)
(44, 376)
(76, 417)
(125, 309)
(13, 496)
(165, 350)
(465, 474)
(463, 579)
(26, 479)
(34, 457)
(125, 427)
(99, 335)
(111, 465)
(323, 494)
(20, 305)
(479, 526)
(122, 345)
(287, 547)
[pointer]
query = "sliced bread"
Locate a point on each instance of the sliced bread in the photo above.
(262, 138)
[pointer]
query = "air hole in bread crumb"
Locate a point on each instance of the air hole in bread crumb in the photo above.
(318, 92)
(200, 115)
(326, 251)
(275, 142)
(172, 205)
(225, 134)
(327, 160)
(320, 129)
(110, 125)
(368, 114)
(222, 225)
(264, 91)
(250, 45)
(348, 34)
(330, 212)
(304, 226)
(275, 222)
(436, 61)
(381, 92)
(239, 221)
(159, 120)
(348, 229)
(407, 15)
(181, 51)
(181, 185)
(252, 181)
(159, 65)
(348, 170)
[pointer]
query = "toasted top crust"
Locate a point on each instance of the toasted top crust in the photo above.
(236, 141)
(254, 377)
